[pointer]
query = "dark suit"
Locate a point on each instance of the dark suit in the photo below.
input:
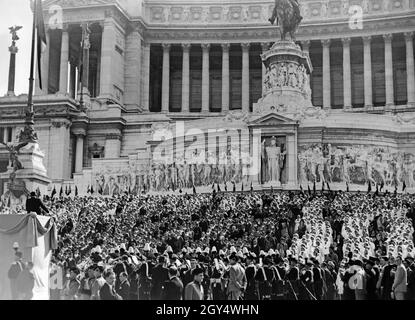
(107, 293)
(123, 289)
(159, 275)
(35, 205)
(172, 289)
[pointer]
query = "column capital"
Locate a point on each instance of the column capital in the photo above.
(367, 40)
(388, 37)
(166, 47)
(346, 41)
(205, 46)
(186, 46)
(409, 36)
(325, 43)
(225, 46)
(245, 46)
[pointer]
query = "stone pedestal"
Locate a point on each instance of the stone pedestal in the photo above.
(33, 176)
(286, 87)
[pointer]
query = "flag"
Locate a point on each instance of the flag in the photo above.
(88, 190)
(301, 189)
(382, 184)
(226, 187)
(377, 189)
(234, 186)
(252, 188)
(53, 192)
(309, 190)
(328, 186)
(272, 189)
(396, 190)
(347, 186)
(369, 187)
(69, 190)
(76, 191)
(314, 187)
(194, 190)
(322, 186)
(100, 191)
(219, 190)
(92, 190)
(61, 192)
(403, 186)
(41, 37)
(242, 187)
(38, 192)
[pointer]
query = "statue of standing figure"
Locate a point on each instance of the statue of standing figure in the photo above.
(13, 154)
(288, 16)
(273, 160)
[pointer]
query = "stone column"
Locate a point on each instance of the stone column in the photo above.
(165, 93)
(63, 74)
(146, 78)
(388, 72)
(132, 69)
(79, 155)
(347, 83)
(112, 145)
(367, 62)
(186, 77)
(12, 68)
(410, 76)
(107, 50)
(326, 74)
(205, 77)
(225, 77)
(291, 160)
(245, 77)
(264, 46)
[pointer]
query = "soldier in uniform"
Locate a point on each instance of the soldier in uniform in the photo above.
(318, 279)
(216, 283)
(145, 280)
(265, 277)
(278, 287)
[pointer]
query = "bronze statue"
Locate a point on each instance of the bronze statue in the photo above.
(13, 31)
(13, 153)
(287, 14)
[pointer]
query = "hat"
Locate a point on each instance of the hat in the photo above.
(233, 250)
(262, 253)
(271, 252)
(16, 245)
(198, 250)
(98, 249)
(221, 252)
(147, 247)
(207, 251)
(240, 254)
(245, 250)
(122, 246)
(169, 249)
(213, 249)
(131, 250)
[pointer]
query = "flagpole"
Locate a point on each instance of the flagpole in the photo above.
(28, 134)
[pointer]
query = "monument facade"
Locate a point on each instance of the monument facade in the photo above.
(181, 94)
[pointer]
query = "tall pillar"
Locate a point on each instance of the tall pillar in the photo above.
(264, 46)
(132, 69)
(410, 77)
(107, 50)
(245, 77)
(225, 77)
(388, 72)
(291, 160)
(165, 95)
(326, 74)
(205, 77)
(79, 151)
(347, 83)
(12, 68)
(186, 77)
(146, 78)
(367, 62)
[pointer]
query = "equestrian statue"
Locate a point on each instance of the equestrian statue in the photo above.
(288, 17)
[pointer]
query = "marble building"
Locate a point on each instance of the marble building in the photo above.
(154, 68)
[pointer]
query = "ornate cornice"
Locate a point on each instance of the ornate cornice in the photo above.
(59, 123)
(113, 136)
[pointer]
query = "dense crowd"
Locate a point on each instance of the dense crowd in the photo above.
(230, 246)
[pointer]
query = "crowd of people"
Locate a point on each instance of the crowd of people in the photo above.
(230, 246)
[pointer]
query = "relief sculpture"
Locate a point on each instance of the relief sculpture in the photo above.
(355, 165)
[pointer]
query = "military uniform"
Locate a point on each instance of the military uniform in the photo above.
(251, 292)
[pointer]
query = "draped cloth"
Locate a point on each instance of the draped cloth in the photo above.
(37, 237)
